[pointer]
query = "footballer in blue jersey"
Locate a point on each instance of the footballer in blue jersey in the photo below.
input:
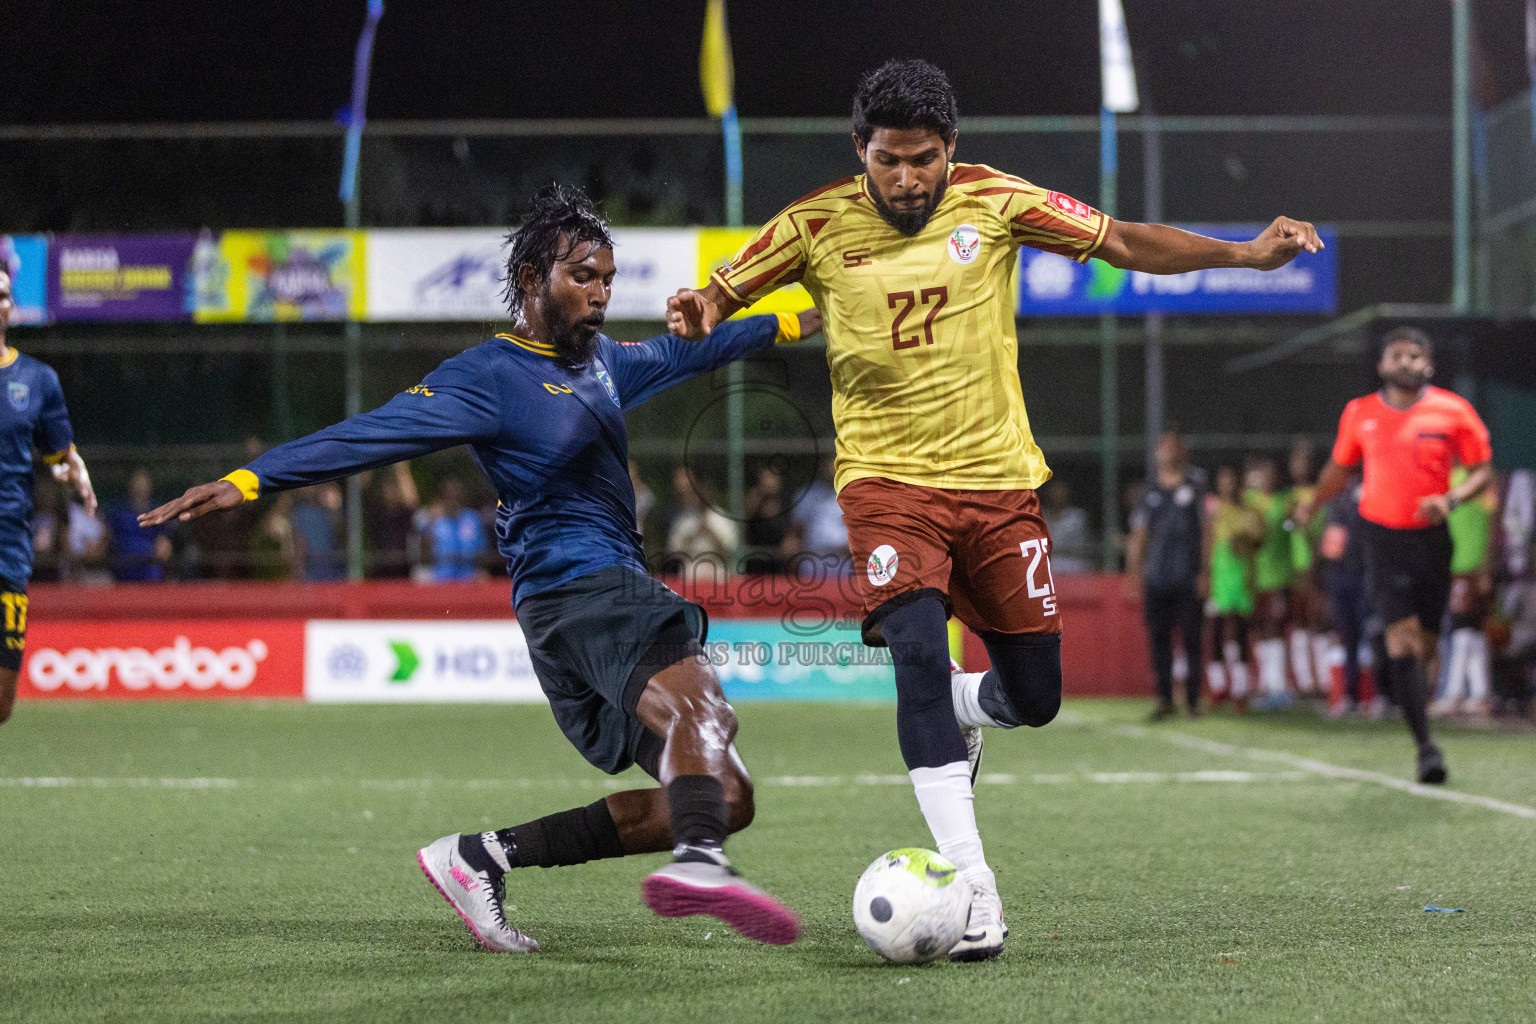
(618, 654)
(32, 416)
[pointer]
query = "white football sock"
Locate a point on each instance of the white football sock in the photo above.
(945, 796)
(1456, 665)
(1239, 671)
(1271, 658)
(965, 688)
(1477, 666)
(1216, 678)
(1301, 660)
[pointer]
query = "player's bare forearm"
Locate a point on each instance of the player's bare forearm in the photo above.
(197, 501)
(810, 322)
(1478, 479)
(1330, 484)
(1160, 249)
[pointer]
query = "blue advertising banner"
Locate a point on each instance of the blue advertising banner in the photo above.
(1051, 285)
(762, 659)
(26, 258)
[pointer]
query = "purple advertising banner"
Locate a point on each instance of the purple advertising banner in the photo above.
(120, 277)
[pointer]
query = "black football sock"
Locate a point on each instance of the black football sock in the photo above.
(555, 840)
(1023, 687)
(1411, 691)
(926, 729)
(699, 815)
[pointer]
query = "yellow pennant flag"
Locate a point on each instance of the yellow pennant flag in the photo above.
(717, 75)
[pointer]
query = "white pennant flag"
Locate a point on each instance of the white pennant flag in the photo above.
(1117, 78)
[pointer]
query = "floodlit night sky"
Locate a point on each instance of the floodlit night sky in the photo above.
(156, 60)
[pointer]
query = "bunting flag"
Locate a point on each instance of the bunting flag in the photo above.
(717, 73)
(1117, 78)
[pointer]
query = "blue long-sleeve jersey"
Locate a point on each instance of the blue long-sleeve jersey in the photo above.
(550, 438)
(31, 416)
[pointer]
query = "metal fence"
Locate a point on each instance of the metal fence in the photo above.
(185, 398)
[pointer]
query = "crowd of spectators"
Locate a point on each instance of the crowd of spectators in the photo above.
(1271, 611)
(448, 536)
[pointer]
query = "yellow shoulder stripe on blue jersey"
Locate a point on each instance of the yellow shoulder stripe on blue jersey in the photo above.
(244, 479)
(538, 347)
(9, 358)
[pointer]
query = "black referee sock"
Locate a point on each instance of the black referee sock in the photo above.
(555, 840)
(1411, 691)
(696, 804)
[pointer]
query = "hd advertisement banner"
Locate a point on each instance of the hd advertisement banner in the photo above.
(121, 277)
(412, 662)
(1051, 285)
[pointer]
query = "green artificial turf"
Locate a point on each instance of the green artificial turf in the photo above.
(285, 887)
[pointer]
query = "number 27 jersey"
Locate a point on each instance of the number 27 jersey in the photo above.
(921, 341)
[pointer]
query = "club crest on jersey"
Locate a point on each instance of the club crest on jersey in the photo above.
(883, 562)
(19, 395)
(613, 393)
(1066, 204)
(964, 244)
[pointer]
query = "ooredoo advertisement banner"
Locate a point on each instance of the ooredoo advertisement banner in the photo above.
(121, 277)
(195, 659)
(347, 661)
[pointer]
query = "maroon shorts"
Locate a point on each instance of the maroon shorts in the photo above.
(986, 554)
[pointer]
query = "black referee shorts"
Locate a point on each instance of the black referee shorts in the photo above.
(1409, 572)
(595, 642)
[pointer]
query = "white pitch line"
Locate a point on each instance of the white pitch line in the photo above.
(774, 781)
(1326, 770)
(65, 782)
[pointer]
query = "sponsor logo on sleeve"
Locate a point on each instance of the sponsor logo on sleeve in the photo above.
(1066, 204)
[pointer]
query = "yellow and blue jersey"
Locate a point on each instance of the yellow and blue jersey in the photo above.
(550, 438)
(32, 415)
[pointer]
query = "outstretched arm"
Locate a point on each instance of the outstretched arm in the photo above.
(642, 369)
(1159, 249)
(456, 404)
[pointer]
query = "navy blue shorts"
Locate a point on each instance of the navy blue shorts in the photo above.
(13, 623)
(594, 643)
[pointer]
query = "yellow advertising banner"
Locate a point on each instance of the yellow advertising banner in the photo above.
(282, 275)
(717, 245)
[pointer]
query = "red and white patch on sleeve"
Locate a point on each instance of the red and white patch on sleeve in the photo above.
(1066, 204)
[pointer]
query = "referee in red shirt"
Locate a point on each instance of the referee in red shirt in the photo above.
(1409, 436)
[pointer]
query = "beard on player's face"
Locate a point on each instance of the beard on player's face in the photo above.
(1408, 378)
(572, 331)
(908, 222)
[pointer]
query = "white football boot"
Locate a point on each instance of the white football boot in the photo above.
(474, 895)
(972, 733)
(985, 932)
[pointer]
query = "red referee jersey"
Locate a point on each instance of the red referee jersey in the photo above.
(1408, 453)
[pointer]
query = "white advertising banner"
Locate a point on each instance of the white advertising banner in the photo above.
(351, 661)
(457, 273)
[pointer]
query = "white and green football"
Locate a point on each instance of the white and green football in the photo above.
(910, 906)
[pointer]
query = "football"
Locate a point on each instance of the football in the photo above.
(910, 907)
